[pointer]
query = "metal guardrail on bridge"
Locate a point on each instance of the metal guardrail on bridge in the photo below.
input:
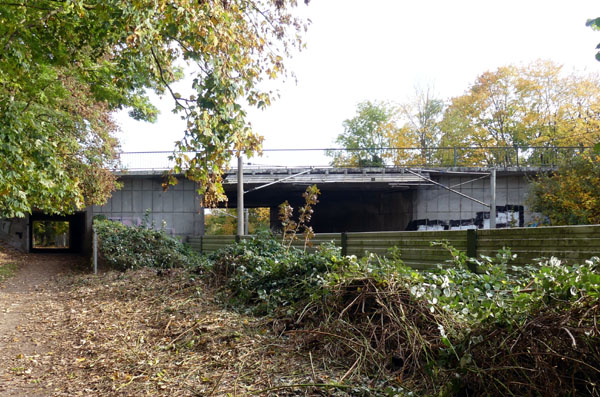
(513, 156)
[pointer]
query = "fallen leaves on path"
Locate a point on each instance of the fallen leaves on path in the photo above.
(143, 333)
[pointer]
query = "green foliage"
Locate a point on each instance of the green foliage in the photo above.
(364, 134)
(571, 196)
(130, 247)
(266, 276)
(499, 292)
(46, 232)
(66, 65)
(595, 24)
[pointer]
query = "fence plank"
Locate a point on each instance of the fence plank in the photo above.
(570, 243)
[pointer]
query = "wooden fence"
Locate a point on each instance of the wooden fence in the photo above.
(569, 243)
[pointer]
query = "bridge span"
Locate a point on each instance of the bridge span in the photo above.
(351, 200)
(392, 198)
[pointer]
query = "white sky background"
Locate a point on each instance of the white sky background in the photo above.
(361, 50)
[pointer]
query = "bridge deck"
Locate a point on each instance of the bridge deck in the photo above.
(325, 175)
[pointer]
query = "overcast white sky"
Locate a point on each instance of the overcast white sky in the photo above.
(381, 49)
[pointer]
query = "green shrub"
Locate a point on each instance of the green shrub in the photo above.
(129, 247)
(264, 275)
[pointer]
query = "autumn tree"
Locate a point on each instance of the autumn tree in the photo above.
(65, 65)
(224, 221)
(364, 135)
(571, 196)
(537, 105)
(420, 117)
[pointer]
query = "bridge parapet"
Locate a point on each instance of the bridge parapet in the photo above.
(448, 157)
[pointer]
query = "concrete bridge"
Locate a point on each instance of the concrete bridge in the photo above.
(379, 199)
(369, 199)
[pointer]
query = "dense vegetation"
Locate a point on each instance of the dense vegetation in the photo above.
(571, 196)
(124, 247)
(66, 65)
(224, 221)
(498, 331)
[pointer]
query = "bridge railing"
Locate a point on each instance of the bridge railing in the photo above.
(509, 156)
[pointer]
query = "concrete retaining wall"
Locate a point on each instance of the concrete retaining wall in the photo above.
(15, 232)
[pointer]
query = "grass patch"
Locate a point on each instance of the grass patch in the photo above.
(7, 270)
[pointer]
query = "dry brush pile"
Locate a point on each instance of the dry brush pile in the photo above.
(158, 333)
(498, 331)
(322, 323)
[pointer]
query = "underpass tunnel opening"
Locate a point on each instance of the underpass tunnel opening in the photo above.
(53, 233)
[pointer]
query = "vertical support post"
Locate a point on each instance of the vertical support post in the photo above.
(202, 221)
(246, 224)
(344, 243)
(493, 199)
(455, 156)
(95, 249)
(472, 247)
(240, 197)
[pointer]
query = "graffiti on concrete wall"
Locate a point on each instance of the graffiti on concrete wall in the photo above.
(506, 216)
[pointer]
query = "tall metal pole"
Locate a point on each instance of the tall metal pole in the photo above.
(493, 200)
(240, 197)
(95, 249)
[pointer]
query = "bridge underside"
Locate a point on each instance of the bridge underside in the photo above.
(341, 208)
(390, 199)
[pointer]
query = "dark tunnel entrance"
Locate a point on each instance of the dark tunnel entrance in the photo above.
(53, 233)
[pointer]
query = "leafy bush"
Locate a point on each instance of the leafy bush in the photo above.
(266, 275)
(548, 341)
(129, 247)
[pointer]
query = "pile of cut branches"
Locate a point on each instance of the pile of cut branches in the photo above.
(556, 351)
(376, 327)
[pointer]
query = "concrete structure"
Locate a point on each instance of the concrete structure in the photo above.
(15, 232)
(178, 207)
(378, 199)
(352, 200)
(434, 203)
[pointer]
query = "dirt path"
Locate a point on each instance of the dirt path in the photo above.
(27, 303)
(140, 333)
